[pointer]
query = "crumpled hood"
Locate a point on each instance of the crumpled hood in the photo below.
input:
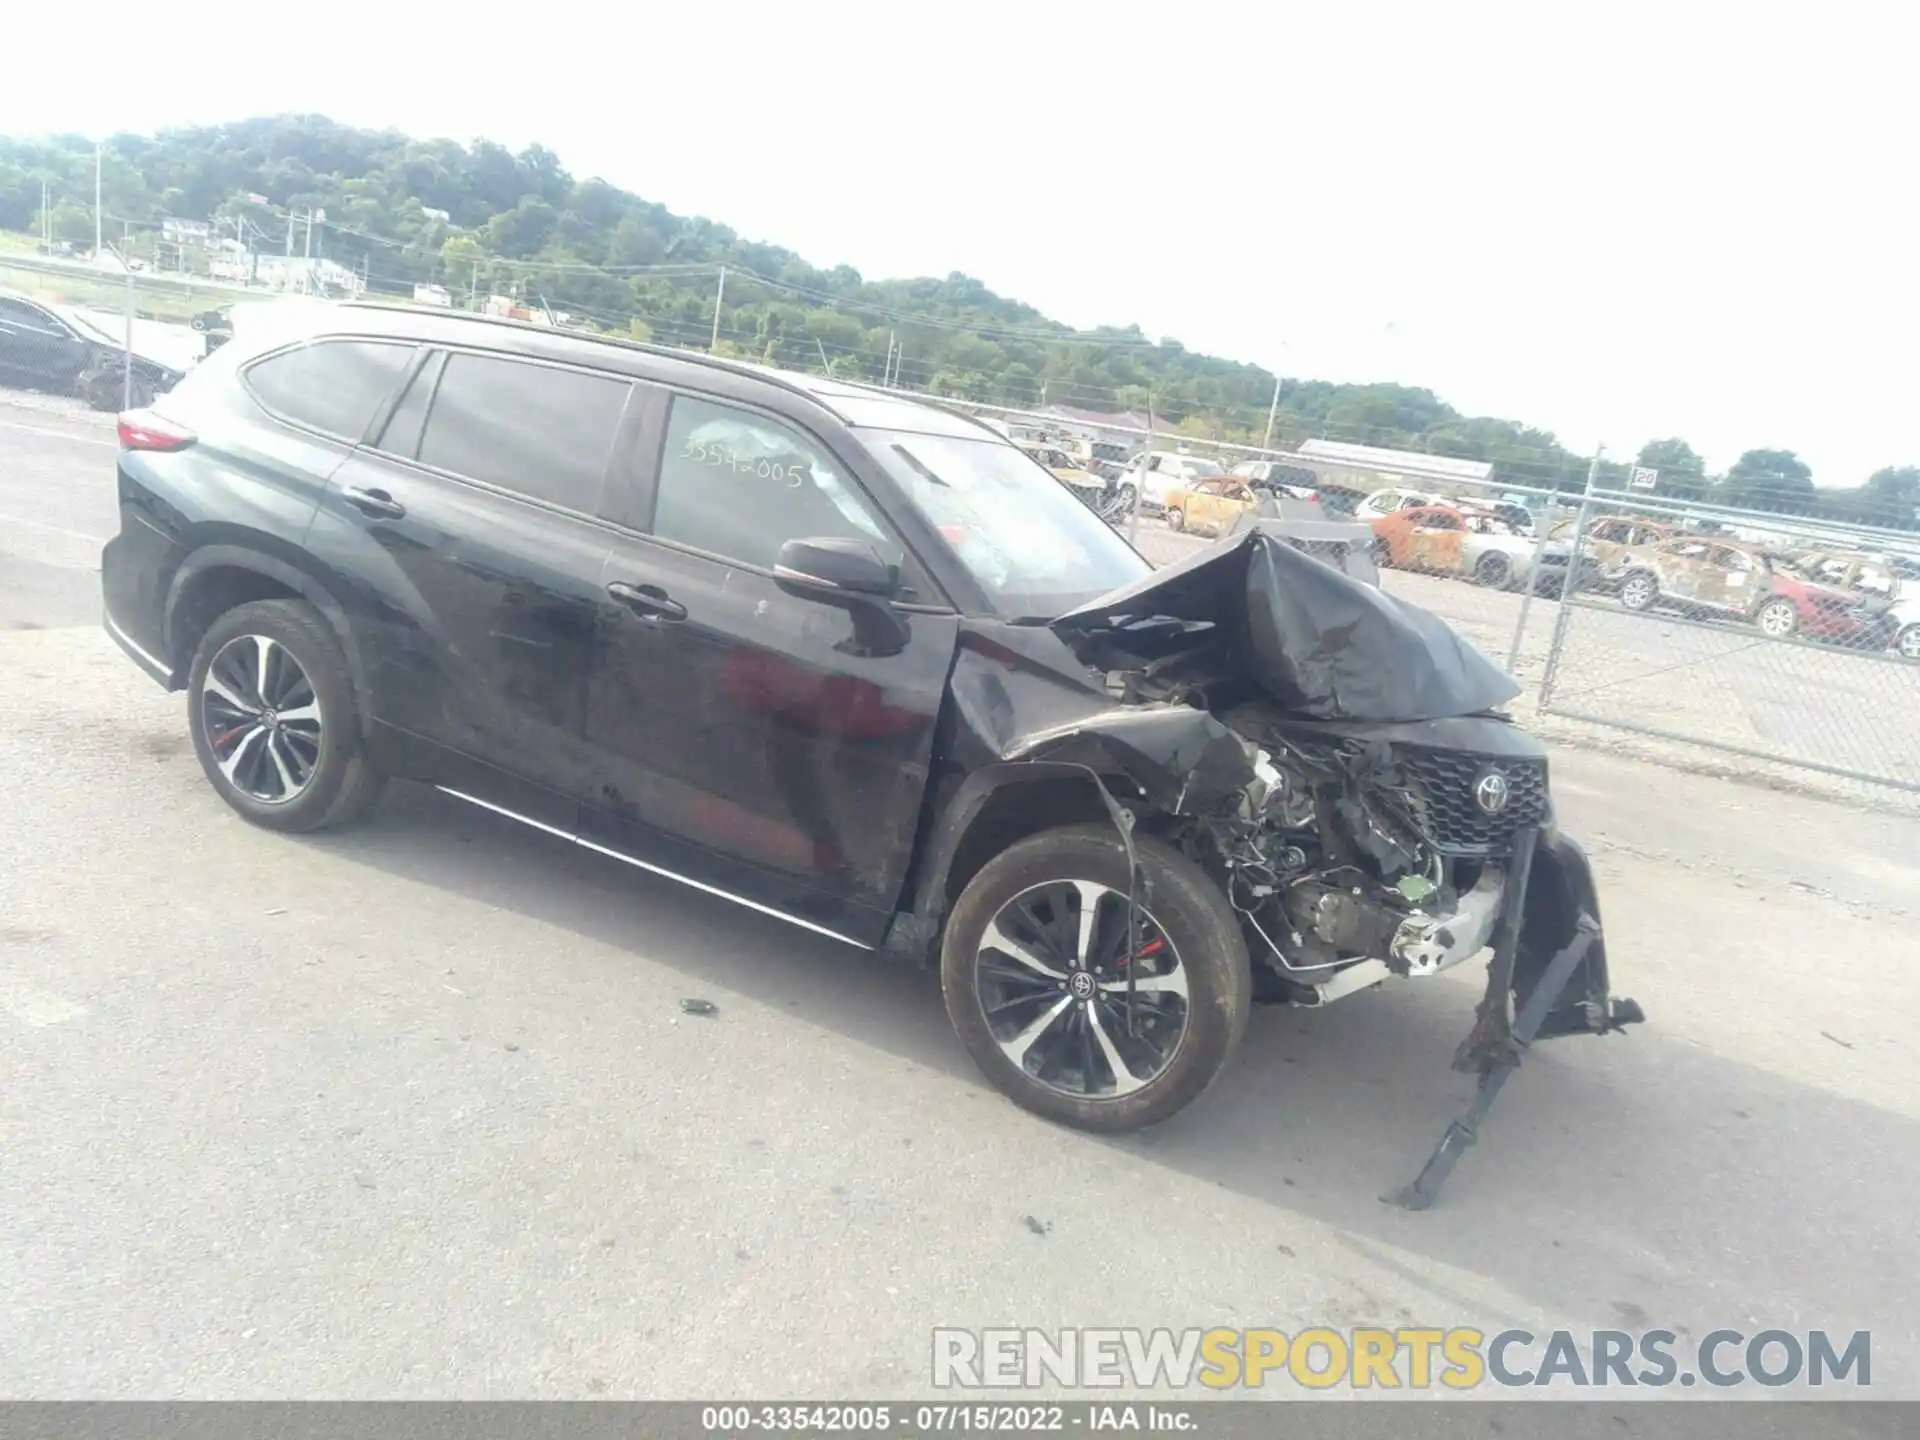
(1320, 644)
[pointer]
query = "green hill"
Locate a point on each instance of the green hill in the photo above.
(480, 219)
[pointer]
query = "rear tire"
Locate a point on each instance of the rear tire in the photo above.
(1194, 985)
(275, 721)
(1907, 643)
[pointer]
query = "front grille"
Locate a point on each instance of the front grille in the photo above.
(1443, 784)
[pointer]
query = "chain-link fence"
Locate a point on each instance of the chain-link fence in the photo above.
(1758, 634)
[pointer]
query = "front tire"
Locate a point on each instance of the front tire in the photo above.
(1033, 967)
(1495, 571)
(1778, 618)
(1176, 519)
(1639, 590)
(274, 718)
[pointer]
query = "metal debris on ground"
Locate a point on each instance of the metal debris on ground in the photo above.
(699, 1007)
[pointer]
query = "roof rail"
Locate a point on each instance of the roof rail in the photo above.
(715, 362)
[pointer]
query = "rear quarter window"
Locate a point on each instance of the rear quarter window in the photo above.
(333, 386)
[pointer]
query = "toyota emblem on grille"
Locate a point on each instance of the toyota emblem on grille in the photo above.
(1492, 791)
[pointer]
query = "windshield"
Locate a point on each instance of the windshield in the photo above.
(1034, 546)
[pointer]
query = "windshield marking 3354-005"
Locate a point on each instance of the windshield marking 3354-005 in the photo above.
(1034, 546)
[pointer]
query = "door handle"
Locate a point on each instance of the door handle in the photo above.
(647, 601)
(377, 503)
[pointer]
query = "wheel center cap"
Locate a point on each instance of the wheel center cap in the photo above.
(1081, 984)
(271, 719)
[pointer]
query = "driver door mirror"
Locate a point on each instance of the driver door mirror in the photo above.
(848, 575)
(835, 569)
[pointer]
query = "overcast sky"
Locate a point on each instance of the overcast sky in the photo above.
(1612, 221)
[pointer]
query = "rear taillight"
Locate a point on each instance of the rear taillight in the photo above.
(144, 430)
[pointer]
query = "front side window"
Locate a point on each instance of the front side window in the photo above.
(333, 386)
(536, 430)
(1033, 546)
(738, 485)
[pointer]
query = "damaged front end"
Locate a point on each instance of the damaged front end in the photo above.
(1363, 804)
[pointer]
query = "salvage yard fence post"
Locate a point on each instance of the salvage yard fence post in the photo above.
(1547, 522)
(1788, 639)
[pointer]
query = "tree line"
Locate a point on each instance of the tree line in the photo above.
(479, 219)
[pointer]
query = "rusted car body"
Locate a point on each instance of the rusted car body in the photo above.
(1427, 538)
(1708, 578)
(1210, 506)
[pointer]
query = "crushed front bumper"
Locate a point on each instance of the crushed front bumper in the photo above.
(1548, 977)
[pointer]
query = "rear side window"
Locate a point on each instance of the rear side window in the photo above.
(532, 429)
(333, 386)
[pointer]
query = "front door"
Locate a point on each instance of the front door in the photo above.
(749, 740)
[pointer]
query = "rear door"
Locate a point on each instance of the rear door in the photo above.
(746, 739)
(472, 529)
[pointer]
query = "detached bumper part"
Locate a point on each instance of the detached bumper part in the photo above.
(1567, 995)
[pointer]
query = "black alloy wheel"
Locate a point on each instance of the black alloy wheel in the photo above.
(1052, 974)
(1036, 964)
(261, 719)
(275, 720)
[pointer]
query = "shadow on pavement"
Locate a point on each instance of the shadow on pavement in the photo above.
(1640, 1156)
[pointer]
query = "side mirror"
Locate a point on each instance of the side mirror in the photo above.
(834, 570)
(849, 576)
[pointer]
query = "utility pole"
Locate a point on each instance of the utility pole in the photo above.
(1266, 441)
(46, 218)
(718, 295)
(99, 152)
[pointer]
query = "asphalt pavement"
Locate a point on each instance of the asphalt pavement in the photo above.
(412, 1109)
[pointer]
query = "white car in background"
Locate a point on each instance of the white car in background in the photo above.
(1382, 503)
(1496, 553)
(1158, 473)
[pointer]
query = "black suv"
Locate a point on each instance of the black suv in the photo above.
(848, 659)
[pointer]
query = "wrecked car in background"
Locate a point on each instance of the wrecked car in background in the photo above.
(857, 663)
(57, 348)
(1704, 578)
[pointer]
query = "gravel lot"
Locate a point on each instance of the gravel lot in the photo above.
(411, 1110)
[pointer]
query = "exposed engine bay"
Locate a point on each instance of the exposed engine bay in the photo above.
(1337, 875)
